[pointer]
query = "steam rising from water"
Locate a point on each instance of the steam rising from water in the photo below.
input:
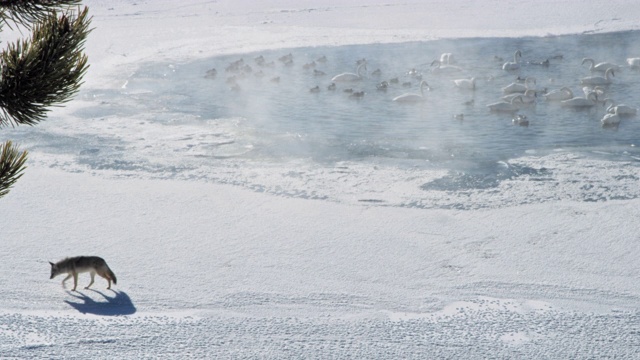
(174, 120)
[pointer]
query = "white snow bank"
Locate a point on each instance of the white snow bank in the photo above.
(209, 270)
(127, 31)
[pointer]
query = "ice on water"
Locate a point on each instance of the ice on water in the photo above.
(274, 124)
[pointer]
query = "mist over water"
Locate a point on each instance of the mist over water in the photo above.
(190, 118)
(333, 126)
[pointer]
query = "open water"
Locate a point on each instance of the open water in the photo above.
(281, 113)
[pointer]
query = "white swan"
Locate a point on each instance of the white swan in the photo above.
(349, 77)
(443, 68)
(515, 64)
(447, 58)
(610, 119)
(558, 95)
(598, 80)
(634, 62)
(466, 83)
(529, 96)
(599, 90)
(620, 109)
(603, 66)
(503, 106)
(518, 87)
(412, 97)
(587, 101)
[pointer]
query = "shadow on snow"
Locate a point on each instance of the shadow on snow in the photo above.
(119, 304)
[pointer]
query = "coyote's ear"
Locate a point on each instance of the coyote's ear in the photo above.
(52, 264)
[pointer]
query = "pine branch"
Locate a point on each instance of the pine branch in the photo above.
(44, 71)
(27, 12)
(11, 166)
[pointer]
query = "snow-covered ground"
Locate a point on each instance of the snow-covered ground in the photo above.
(209, 270)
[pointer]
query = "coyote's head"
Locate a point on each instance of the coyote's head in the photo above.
(54, 270)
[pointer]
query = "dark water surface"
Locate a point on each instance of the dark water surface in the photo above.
(334, 125)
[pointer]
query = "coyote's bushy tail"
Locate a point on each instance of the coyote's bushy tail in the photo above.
(112, 276)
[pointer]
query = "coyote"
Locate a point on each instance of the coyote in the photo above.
(79, 264)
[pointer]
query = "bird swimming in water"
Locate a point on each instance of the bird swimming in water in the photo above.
(349, 77)
(515, 64)
(412, 97)
(598, 80)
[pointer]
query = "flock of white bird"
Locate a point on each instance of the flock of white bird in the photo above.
(524, 92)
(520, 94)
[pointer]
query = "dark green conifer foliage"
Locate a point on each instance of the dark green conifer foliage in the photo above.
(37, 73)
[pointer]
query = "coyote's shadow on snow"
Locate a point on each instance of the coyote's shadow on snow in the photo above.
(120, 304)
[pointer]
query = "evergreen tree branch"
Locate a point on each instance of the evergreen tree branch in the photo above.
(11, 166)
(27, 12)
(44, 71)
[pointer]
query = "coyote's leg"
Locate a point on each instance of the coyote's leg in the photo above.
(65, 279)
(93, 275)
(75, 281)
(106, 276)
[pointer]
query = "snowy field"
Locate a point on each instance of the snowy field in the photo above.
(270, 256)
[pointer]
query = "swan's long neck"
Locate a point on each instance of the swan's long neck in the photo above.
(422, 85)
(359, 69)
(590, 61)
(608, 74)
(608, 101)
